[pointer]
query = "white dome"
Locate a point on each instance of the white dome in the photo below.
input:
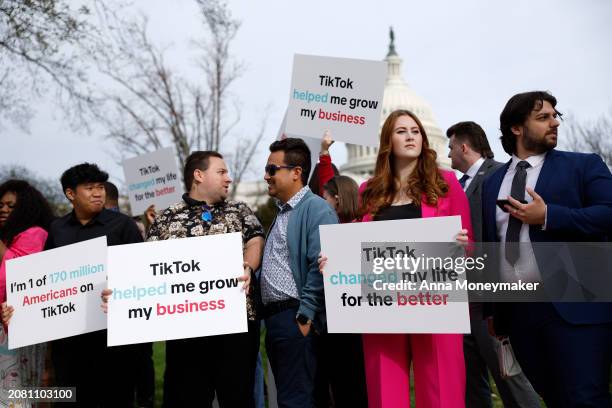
(398, 95)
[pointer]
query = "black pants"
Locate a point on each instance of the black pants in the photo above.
(145, 378)
(198, 368)
(567, 364)
(103, 376)
(341, 372)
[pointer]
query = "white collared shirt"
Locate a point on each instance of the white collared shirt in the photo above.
(472, 171)
(525, 267)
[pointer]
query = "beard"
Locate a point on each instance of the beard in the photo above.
(539, 146)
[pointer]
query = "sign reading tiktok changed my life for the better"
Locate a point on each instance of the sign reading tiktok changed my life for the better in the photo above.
(152, 178)
(341, 95)
(174, 289)
(367, 292)
(56, 293)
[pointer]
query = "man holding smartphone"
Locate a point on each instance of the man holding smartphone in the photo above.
(471, 154)
(565, 349)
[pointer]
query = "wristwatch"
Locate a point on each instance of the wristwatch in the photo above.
(301, 319)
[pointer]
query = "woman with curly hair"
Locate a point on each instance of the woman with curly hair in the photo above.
(407, 183)
(25, 216)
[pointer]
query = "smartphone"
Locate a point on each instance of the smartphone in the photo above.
(502, 203)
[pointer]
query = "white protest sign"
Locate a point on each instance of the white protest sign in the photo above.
(152, 178)
(350, 312)
(176, 289)
(339, 94)
(56, 293)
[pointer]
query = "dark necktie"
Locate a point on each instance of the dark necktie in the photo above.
(514, 224)
(463, 179)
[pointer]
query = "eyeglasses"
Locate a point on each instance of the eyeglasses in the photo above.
(271, 169)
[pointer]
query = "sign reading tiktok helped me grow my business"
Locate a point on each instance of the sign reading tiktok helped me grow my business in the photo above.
(152, 178)
(341, 95)
(56, 293)
(176, 289)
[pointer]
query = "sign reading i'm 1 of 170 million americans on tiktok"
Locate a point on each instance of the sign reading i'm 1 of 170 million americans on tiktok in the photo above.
(56, 293)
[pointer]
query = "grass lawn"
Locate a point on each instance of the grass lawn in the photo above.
(159, 361)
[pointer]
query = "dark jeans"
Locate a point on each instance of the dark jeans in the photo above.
(198, 368)
(103, 376)
(293, 358)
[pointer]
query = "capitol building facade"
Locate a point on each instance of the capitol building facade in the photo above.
(361, 159)
(398, 95)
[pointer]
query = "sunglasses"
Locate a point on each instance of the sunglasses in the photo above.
(271, 169)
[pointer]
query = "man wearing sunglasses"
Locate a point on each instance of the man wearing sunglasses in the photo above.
(291, 285)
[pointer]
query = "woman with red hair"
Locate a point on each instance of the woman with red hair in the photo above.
(407, 183)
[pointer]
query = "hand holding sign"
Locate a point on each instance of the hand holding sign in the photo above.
(326, 142)
(7, 313)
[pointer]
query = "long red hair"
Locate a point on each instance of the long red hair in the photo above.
(426, 180)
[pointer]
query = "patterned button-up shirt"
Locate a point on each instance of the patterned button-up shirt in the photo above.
(184, 220)
(277, 282)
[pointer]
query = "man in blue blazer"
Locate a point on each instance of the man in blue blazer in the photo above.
(565, 349)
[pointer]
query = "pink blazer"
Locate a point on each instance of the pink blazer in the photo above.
(454, 203)
(28, 242)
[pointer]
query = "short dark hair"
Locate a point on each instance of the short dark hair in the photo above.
(471, 133)
(81, 174)
(297, 154)
(198, 160)
(112, 193)
(31, 209)
(517, 111)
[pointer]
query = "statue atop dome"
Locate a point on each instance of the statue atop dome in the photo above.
(391, 43)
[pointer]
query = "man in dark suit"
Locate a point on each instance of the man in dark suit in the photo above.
(565, 349)
(471, 154)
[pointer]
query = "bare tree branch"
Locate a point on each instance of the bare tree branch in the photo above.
(591, 136)
(42, 42)
(246, 149)
(154, 106)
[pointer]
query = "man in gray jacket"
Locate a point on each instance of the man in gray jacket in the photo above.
(471, 154)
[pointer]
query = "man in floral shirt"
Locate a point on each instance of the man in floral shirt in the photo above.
(198, 368)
